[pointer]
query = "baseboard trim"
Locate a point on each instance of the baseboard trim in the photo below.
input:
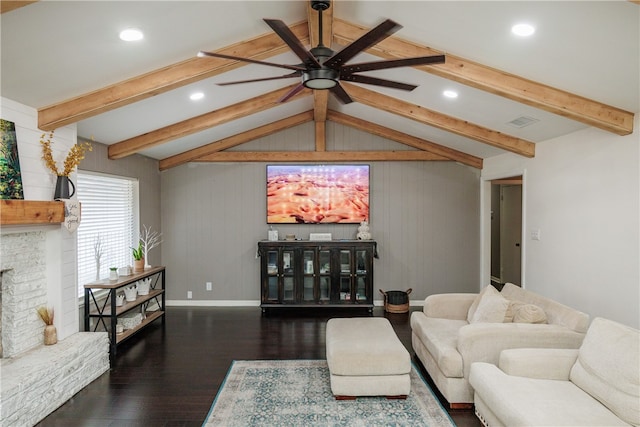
(248, 303)
(212, 303)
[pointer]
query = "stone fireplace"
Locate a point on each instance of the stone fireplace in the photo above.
(38, 269)
(23, 290)
(39, 256)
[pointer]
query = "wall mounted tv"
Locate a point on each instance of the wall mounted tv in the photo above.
(317, 194)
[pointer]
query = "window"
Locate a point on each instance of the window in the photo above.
(109, 216)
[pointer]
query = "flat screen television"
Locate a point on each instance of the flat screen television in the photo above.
(317, 194)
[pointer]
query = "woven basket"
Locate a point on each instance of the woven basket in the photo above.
(396, 301)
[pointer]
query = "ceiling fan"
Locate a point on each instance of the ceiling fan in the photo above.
(322, 68)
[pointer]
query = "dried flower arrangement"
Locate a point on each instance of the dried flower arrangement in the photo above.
(46, 314)
(75, 155)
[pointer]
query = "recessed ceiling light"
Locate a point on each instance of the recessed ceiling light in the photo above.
(523, 30)
(450, 94)
(131, 35)
(196, 96)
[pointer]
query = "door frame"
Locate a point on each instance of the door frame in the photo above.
(485, 225)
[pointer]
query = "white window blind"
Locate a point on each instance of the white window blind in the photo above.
(109, 213)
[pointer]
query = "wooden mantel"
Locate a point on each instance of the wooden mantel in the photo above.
(25, 212)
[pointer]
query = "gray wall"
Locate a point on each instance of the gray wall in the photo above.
(424, 216)
(146, 171)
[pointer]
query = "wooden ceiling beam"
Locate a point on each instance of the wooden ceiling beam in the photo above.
(162, 80)
(440, 121)
(405, 139)
(321, 136)
(321, 156)
(498, 82)
(200, 123)
(9, 5)
(235, 140)
(320, 97)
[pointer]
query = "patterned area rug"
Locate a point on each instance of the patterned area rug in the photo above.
(298, 393)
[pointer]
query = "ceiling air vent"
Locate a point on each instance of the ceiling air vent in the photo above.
(522, 121)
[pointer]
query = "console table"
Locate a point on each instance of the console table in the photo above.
(303, 273)
(103, 309)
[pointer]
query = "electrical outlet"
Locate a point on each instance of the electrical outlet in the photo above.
(189, 294)
(209, 286)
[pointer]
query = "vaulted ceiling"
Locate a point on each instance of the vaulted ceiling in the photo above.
(580, 69)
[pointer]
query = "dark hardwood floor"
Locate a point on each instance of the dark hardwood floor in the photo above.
(169, 376)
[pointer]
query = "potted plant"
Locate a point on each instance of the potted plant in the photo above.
(113, 273)
(138, 258)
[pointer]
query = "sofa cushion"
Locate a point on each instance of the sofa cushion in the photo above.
(529, 313)
(488, 290)
(520, 401)
(440, 337)
(608, 367)
(492, 308)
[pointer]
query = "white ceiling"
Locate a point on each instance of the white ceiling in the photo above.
(55, 50)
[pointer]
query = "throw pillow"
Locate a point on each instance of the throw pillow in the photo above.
(530, 313)
(491, 309)
(511, 310)
(474, 305)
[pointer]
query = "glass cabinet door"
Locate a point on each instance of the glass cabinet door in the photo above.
(288, 289)
(361, 275)
(345, 275)
(272, 275)
(308, 274)
(324, 263)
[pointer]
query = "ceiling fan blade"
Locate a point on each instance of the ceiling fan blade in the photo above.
(356, 78)
(291, 93)
(292, 41)
(394, 63)
(286, 76)
(341, 94)
(378, 33)
(252, 61)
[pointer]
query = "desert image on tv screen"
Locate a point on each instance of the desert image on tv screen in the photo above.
(317, 194)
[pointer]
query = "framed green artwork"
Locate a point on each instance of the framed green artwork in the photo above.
(10, 177)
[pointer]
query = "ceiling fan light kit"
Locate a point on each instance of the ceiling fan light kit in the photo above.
(322, 68)
(321, 78)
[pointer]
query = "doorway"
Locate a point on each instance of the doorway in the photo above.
(506, 231)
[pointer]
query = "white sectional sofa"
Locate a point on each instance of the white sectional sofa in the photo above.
(597, 385)
(455, 330)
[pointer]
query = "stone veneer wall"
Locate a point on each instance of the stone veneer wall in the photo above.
(41, 380)
(24, 289)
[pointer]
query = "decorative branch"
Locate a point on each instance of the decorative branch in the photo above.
(97, 254)
(149, 240)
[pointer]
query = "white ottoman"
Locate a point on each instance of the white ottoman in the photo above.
(366, 358)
